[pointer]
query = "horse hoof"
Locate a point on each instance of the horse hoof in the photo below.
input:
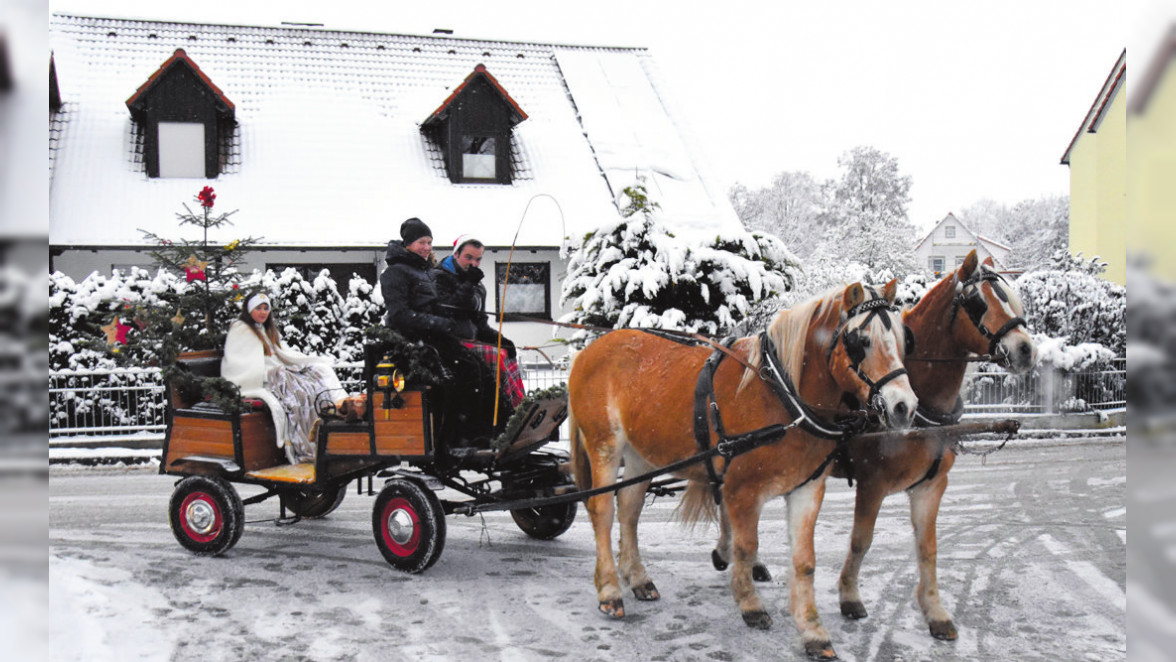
(759, 572)
(945, 630)
(819, 650)
(614, 608)
(720, 564)
(758, 620)
(646, 592)
(856, 610)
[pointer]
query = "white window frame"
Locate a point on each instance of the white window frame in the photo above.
(949, 232)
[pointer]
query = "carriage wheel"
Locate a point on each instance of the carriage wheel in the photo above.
(206, 515)
(545, 522)
(313, 503)
(409, 525)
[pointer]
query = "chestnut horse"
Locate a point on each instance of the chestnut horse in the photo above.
(971, 311)
(632, 398)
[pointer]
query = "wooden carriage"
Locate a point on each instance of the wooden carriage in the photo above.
(210, 447)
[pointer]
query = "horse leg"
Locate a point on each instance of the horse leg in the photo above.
(804, 503)
(865, 516)
(605, 461)
(925, 501)
(721, 554)
(629, 503)
(743, 512)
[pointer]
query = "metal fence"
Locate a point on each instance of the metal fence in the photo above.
(1045, 390)
(130, 402)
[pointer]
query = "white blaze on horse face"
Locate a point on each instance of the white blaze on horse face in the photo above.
(899, 396)
(1017, 344)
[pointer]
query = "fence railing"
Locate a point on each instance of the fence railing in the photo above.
(130, 402)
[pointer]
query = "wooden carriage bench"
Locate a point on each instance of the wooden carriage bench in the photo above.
(204, 438)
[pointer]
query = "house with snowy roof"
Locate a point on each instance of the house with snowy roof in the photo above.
(1097, 158)
(949, 242)
(324, 141)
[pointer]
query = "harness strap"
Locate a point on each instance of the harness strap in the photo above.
(704, 403)
(925, 417)
(995, 338)
(777, 378)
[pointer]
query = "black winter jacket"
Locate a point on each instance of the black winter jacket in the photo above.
(464, 296)
(411, 296)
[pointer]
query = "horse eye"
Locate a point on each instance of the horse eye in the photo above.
(865, 341)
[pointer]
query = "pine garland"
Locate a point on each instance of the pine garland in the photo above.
(557, 392)
(419, 363)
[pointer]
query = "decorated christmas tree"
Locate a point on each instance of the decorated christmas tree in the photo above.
(194, 313)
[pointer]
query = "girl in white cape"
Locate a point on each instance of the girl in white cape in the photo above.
(290, 383)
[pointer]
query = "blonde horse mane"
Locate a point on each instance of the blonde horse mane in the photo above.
(788, 330)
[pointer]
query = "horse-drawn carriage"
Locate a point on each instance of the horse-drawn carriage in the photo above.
(655, 405)
(212, 446)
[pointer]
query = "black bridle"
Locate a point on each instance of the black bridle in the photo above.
(856, 343)
(971, 298)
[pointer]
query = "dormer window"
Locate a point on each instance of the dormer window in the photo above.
(473, 130)
(186, 121)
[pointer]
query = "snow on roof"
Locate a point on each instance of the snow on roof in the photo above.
(329, 141)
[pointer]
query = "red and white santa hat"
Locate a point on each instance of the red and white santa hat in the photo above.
(462, 240)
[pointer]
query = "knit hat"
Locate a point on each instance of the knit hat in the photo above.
(413, 229)
(255, 301)
(462, 241)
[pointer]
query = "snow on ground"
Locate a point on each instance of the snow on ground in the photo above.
(1031, 565)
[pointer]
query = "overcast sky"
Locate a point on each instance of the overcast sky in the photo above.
(975, 101)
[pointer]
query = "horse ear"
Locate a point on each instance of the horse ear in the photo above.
(891, 290)
(989, 263)
(969, 266)
(854, 294)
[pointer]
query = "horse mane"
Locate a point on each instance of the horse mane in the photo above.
(788, 330)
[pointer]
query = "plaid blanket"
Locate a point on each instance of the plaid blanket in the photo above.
(511, 375)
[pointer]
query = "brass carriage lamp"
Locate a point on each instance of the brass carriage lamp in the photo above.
(390, 381)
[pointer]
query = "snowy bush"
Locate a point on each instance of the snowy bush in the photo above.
(635, 272)
(1075, 306)
(1151, 322)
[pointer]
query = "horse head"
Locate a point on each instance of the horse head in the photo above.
(867, 351)
(987, 316)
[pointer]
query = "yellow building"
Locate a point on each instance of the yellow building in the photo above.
(1151, 134)
(1097, 157)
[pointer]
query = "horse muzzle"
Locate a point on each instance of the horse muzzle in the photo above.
(1016, 353)
(897, 412)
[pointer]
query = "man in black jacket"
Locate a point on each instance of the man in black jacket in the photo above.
(461, 293)
(458, 279)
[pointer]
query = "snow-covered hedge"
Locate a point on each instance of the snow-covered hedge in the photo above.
(315, 317)
(1079, 308)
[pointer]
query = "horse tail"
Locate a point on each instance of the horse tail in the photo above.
(581, 467)
(697, 504)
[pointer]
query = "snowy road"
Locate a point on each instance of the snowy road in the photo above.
(1032, 565)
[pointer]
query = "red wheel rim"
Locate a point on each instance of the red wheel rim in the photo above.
(200, 517)
(400, 527)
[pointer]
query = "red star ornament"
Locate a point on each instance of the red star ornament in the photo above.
(194, 269)
(116, 332)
